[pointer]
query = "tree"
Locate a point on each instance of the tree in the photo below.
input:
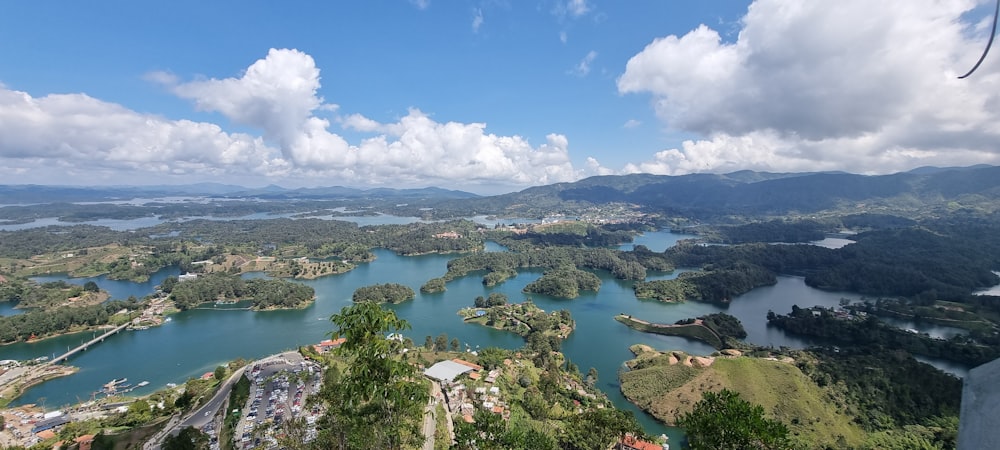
(428, 342)
(189, 438)
(91, 286)
(455, 345)
(723, 420)
(220, 373)
(378, 402)
(441, 343)
(598, 428)
(592, 376)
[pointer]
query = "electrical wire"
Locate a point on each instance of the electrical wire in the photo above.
(989, 43)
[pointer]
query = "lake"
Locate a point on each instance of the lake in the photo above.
(196, 341)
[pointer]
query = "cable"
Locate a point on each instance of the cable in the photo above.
(988, 44)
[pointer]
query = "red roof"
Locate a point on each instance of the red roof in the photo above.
(631, 442)
(467, 364)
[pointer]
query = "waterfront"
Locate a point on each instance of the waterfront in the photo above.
(196, 341)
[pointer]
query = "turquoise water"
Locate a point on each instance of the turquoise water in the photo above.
(196, 341)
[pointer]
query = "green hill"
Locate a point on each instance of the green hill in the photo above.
(669, 384)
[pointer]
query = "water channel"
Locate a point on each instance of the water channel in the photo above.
(196, 341)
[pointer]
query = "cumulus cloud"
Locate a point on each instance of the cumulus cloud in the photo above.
(277, 95)
(417, 147)
(582, 68)
(857, 86)
(84, 133)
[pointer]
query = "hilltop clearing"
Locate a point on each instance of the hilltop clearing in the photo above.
(668, 384)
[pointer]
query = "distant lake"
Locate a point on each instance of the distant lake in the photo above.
(994, 290)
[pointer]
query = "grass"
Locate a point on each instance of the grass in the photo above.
(785, 393)
(237, 400)
(442, 441)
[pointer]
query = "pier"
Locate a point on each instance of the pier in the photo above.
(87, 344)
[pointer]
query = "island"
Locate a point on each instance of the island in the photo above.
(720, 330)
(522, 318)
(262, 294)
(383, 293)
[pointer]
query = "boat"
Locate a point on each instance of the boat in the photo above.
(142, 383)
(168, 319)
(118, 381)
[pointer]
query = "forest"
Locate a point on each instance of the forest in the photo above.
(383, 293)
(869, 331)
(262, 293)
(45, 323)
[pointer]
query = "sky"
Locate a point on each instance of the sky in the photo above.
(488, 96)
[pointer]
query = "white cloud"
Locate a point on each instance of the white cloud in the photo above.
(417, 147)
(583, 67)
(421, 4)
(858, 86)
(631, 123)
(278, 95)
(575, 8)
(477, 20)
(82, 133)
(563, 37)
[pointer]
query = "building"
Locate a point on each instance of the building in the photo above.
(446, 371)
(631, 442)
(84, 442)
(48, 424)
(329, 344)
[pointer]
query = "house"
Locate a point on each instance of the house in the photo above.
(630, 442)
(84, 442)
(473, 366)
(45, 434)
(187, 276)
(329, 344)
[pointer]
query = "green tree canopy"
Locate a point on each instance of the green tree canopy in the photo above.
(722, 421)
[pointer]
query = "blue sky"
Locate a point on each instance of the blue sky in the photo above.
(488, 96)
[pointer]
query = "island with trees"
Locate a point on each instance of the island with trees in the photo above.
(720, 330)
(383, 293)
(522, 318)
(262, 294)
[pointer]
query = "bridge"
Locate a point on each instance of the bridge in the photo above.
(87, 344)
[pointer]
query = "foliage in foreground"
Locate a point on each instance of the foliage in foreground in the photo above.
(723, 420)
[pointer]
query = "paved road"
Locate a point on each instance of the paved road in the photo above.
(199, 417)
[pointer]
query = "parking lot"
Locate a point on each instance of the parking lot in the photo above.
(278, 392)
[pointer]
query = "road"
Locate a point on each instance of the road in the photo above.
(430, 416)
(200, 416)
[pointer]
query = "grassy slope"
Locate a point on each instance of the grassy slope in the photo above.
(667, 391)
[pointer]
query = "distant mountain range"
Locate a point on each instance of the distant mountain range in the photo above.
(21, 194)
(741, 193)
(755, 193)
